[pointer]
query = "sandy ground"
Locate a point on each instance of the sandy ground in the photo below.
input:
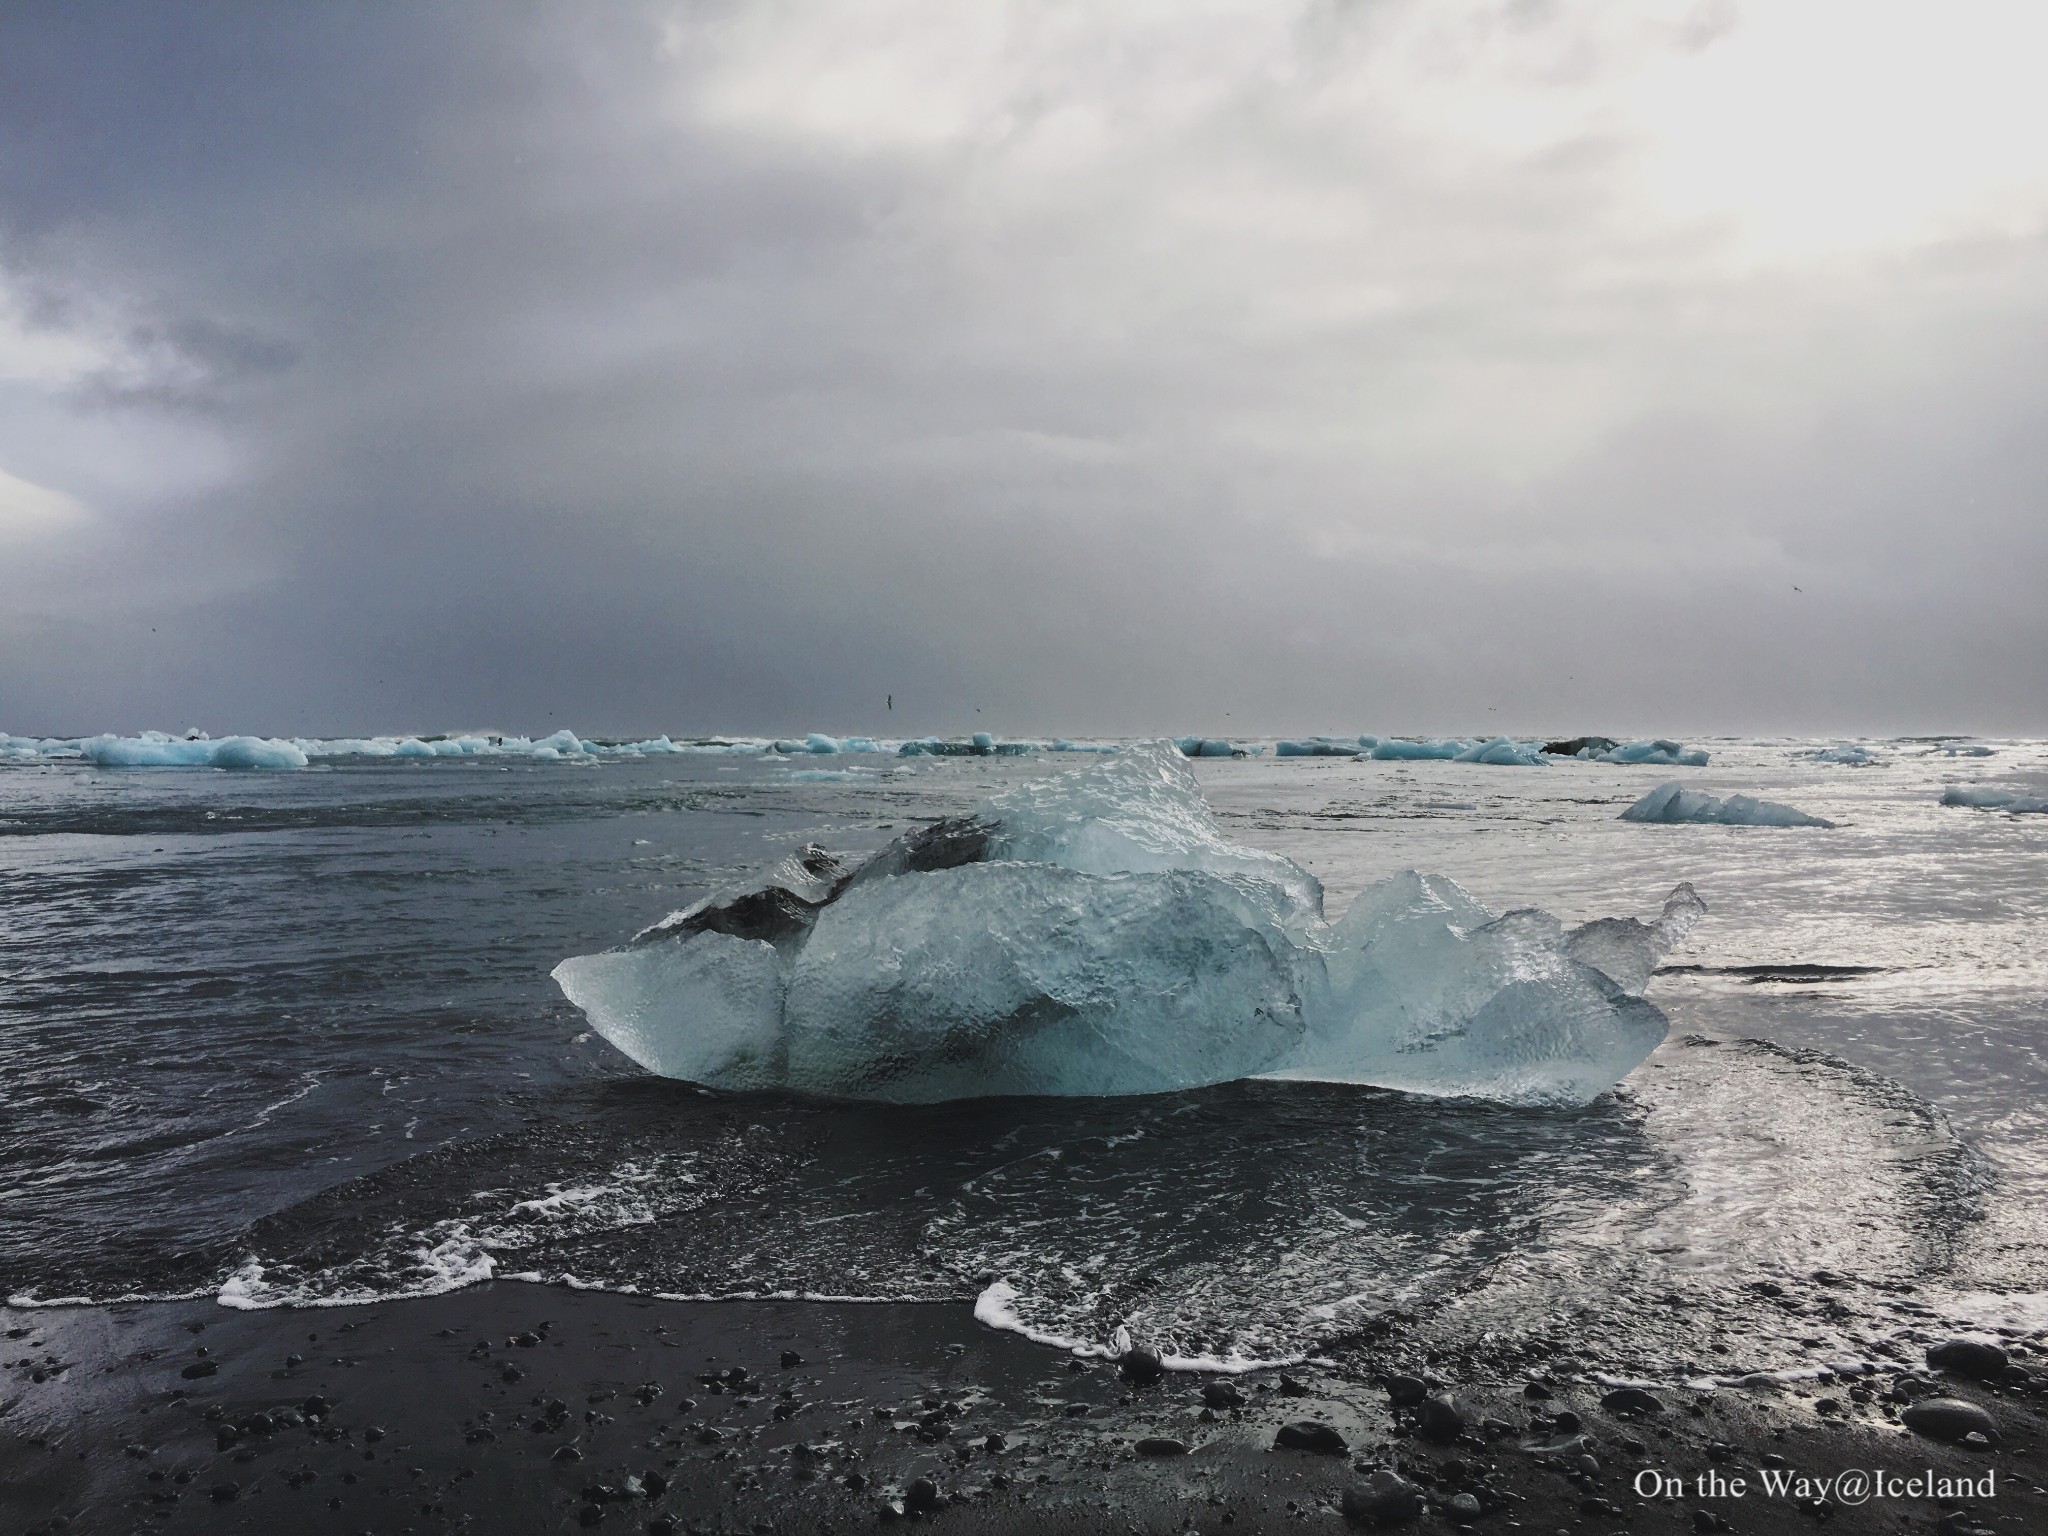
(516, 1408)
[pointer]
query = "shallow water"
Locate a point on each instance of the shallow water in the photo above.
(285, 1037)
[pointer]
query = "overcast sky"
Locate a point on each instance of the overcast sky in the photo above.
(1283, 365)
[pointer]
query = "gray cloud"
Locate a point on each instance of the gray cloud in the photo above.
(730, 367)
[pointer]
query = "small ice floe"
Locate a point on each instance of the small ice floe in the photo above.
(1674, 803)
(1993, 797)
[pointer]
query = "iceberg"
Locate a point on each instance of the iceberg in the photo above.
(1848, 754)
(1211, 746)
(1094, 933)
(1661, 753)
(1989, 797)
(1503, 753)
(1387, 750)
(1674, 803)
(1317, 746)
(156, 749)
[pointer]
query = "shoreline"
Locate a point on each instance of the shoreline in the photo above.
(514, 1407)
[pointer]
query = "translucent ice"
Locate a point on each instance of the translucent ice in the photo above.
(1661, 753)
(1093, 932)
(1503, 753)
(1387, 750)
(155, 749)
(1673, 802)
(1846, 753)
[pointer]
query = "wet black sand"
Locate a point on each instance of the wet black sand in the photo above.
(515, 1408)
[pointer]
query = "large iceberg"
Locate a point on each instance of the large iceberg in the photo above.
(1094, 933)
(1673, 802)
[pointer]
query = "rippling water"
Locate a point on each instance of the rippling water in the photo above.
(289, 1037)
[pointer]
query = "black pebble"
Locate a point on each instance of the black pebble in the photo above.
(566, 1453)
(225, 1493)
(1968, 1357)
(1443, 1417)
(791, 1359)
(199, 1368)
(1384, 1498)
(1140, 1365)
(1222, 1394)
(921, 1497)
(1631, 1400)
(1311, 1435)
(1948, 1418)
(1406, 1391)
(1161, 1445)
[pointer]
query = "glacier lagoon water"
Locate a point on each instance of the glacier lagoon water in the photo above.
(285, 1038)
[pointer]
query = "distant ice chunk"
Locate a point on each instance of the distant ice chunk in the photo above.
(1991, 797)
(1388, 750)
(1213, 746)
(1095, 933)
(1673, 802)
(156, 749)
(1659, 753)
(1847, 754)
(1503, 753)
(1316, 746)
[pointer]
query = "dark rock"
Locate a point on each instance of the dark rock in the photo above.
(1968, 1357)
(200, 1368)
(1443, 1417)
(225, 1493)
(791, 1359)
(1631, 1400)
(1075, 1410)
(921, 1497)
(373, 1434)
(1948, 1418)
(1406, 1391)
(566, 1453)
(994, 1444)
(1707, 1520)
(225, 1437)
(1140, 1365)
(1573, 746)
(709, 1436)
(1222, 1394)
(1311, 1435)
(1536, 1392)
(1384, 1498)
(1565, 1422)
(314, 1407)
(1463, 1508)
(1161, 1445)
(1289, 1387)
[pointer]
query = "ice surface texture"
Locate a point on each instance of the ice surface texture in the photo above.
(1094, 933)
(1673, 802)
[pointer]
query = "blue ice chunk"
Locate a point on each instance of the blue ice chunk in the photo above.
(1094, 932)
(1673, 802)
(1389, 750)
(1660, 753)
(1503, 753)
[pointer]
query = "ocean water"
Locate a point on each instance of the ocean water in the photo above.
(281, 1038)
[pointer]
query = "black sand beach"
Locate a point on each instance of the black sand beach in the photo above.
(516, 1408)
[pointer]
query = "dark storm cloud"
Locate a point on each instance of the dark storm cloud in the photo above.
(730, 367)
